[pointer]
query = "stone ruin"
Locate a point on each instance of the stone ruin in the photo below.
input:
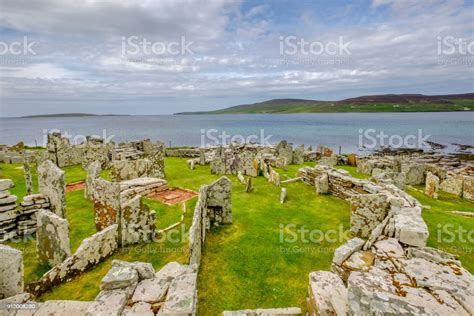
(121, 170)
(446, 173)
(120, 203)
(393, 271)
(212, 208)
(18, 220)
(61, 152)
(128, 288)
(96, 149)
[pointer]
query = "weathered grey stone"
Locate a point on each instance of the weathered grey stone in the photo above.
(241, 178)
(415, 173)
(298, 155)
(144, 269)
(327, 294)
(328, 161)
(157, 158)
(151, 290)
(59, 308)
(389, 248)
(218, 201)
(11, 271)
(368, 210)
(321, 183)
(6, 184)
(453, 184)
(182, 296)
(140, 309)
(52, 184)
(285, 151)
(346, 250)
(410, 227)
(282, 195)
(108, 303)
(52, 238)
(119, 277)
(431, 185)
(468, 188)
(137, 222)
(359, 261)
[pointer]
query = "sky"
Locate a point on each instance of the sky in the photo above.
(162, 57)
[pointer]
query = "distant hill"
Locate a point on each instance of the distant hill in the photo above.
(371, 103)
(70, 115)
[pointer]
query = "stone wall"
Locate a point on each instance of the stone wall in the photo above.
(121, 170)
(91, 251)
(136, 222)
(213, 207)
(96, 149)
(157, 157)
(372, 204)
(61, 152)
(52, 184)
(8, 212)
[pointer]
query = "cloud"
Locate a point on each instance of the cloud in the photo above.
(235, 56)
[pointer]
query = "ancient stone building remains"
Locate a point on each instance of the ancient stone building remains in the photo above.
(91, 251)
(52, 184)
(97, 149)
(120, 203)
(212, 208)
(392, 271)
(18, 220)
(61, 151)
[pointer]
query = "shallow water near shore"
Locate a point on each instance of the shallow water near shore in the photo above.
(331, 129)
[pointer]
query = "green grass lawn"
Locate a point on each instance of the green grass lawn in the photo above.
(261, 260)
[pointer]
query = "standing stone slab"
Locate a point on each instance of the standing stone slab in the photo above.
(219, 201)
(52, 238)
(11, 271)
(321, 183)
(52, 184)
(431, 185)
(468, 188)
(137, 222)
(157, 158)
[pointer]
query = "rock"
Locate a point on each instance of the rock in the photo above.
(321, 184)
(431, 185)
(241, 177)
(11, 271)
(389, 248)
(59, 308)
(352, 160)
(298, 155)
(330, 161)
(468, 188)
(346, 250)
(52, 184)
(415, 173)
(249, 187)
(368, 210)
(327, 294)
(52, 238)
(410, 227)
(282, 195)
(453, 184)
(144, 269)
(359, 261)
(8, 200)
(151, 290)
(119, 277)
(6, 184)
(140, 309)
(172, 270)
(110, 303)
(182, 296)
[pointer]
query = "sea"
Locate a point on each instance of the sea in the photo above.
(344, 132)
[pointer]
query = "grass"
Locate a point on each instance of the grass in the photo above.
(261, 260)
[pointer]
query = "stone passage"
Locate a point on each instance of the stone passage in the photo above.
(213, 207)
(52, 184)
(52, 238)
(11, 271)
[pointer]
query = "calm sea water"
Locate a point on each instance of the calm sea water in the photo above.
(331, 129)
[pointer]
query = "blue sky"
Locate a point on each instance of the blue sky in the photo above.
(84, 56)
